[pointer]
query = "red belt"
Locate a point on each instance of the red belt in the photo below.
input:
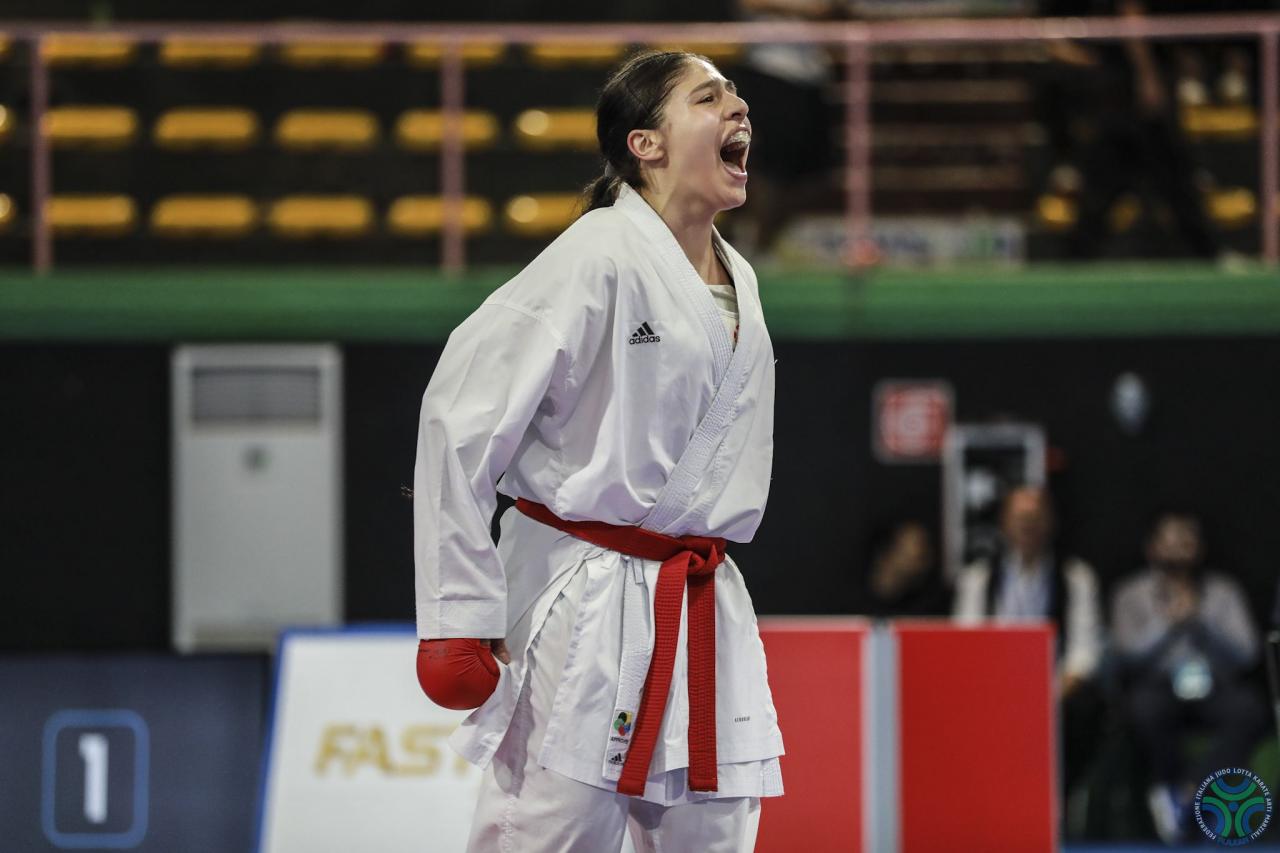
(685, 560)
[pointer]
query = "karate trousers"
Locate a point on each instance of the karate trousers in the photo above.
(526, 808)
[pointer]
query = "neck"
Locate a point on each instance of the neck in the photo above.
(1028, 560)
(691, 227)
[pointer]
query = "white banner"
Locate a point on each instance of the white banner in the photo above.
(357, 758)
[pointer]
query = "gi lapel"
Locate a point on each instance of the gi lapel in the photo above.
(732, 366)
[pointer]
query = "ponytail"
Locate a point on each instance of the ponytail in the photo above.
(603, 191)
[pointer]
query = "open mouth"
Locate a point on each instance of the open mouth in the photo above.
(734, 153)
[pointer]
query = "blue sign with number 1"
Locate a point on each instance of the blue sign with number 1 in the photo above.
(95, 769)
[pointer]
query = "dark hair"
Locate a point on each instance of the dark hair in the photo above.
(632, 99)
(1165, 513)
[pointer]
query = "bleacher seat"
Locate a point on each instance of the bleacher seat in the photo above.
(1222, 123)
(1058, 213)
(1232, 207)
(541, 214)
(306, 216)
(94, 51)
(7, 212)
(1055, 212)
(343, 54)
(1228, 207)
(344, 130)
(206, 127)
(559, 55)
(207, 216)
(544, 129)
(427, 54)
(423, 130)
(95, 126)
(420, 215)
(208, 53)
(6, 123)
(715, 51)
(84, 214)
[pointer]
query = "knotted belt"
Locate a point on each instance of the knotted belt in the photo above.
(686, 561)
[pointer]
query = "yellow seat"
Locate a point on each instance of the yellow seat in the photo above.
(304, 216)
(423, 130)
(348, 130)
(95, 51)
(427, 54)
(97, 215)
(419, 215)
(1233, 207)
(1055, 212)
(105, 127)
(7, 212)
(4, 47)
(1124, 213)
(558, 55)
(715, 51)
(543, 129)
(539, 215)
(208, 53)
(6, 123)
(212, 216)
(208, 127)
(344, 54)
(1213, 122)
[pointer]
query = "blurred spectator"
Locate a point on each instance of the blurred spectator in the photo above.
(1028, 580)
(793, 121)
(1185, 640)
(1110, 107)
(904, 579)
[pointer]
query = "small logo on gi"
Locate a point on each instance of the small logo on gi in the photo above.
(1233, 806)
(617, 758)
(644, 335)
(622, 725)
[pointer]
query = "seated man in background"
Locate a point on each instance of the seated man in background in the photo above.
(1028, 580)
(1185, 640)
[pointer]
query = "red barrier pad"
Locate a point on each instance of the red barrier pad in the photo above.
(977, 735)
(815, 673)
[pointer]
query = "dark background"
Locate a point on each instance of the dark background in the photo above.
(84, 469)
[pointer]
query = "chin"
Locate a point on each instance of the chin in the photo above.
(734, 199)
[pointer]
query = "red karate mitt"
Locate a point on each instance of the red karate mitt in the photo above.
(457, 673)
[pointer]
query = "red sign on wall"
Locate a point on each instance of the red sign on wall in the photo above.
(910, 419)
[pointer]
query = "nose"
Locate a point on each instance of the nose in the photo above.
(738, 108)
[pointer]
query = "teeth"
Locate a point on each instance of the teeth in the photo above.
(742, 137)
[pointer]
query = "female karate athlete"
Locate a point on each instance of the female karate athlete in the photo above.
(621, 386)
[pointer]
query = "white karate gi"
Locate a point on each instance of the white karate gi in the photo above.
(556, 381)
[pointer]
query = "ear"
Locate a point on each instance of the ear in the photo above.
(647, 146)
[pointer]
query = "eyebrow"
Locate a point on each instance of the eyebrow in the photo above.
(711, 84)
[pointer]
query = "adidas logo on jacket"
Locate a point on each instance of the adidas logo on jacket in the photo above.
(644, 335)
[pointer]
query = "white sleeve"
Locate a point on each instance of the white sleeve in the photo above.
(969, 607)
(497, 369)
(1083, 621)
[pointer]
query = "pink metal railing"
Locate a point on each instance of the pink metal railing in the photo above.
(856, 37)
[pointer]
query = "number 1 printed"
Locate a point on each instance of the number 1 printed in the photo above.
(93, 749)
